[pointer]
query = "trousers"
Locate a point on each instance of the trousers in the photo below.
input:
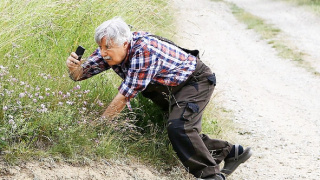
(185, 104)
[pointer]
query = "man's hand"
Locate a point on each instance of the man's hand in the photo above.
(115, 107)
(74, 66)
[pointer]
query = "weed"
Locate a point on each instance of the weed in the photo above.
(44, 113)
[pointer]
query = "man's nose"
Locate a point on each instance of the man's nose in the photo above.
(103, 53)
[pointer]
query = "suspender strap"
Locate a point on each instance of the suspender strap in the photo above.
(193, 52)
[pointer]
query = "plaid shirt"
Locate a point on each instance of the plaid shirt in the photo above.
(148, 60)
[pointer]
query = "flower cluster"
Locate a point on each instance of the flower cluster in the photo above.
(34, 108)
(18, 94)
(21, 101)
(3, 71)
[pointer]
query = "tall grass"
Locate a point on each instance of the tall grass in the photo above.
(42, 112)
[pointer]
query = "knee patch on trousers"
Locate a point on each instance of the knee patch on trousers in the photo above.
(179, 139)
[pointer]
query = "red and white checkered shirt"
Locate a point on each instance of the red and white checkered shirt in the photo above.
(149, 60)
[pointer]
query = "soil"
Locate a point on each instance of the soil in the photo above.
(47, 169)
(273, 103)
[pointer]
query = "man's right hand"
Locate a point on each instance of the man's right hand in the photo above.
(74, 66)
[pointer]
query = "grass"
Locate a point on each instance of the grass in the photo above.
(45, 114)
(314, 5)
(273, 36)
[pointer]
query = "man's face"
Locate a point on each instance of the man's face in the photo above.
(113, 54)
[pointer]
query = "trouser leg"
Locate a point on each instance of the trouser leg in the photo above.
(199, 154)
(184, 126)
(218, 149)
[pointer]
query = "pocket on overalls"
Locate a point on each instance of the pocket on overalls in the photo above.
(190, 111)
(212, 79)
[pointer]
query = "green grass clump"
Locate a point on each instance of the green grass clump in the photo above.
(272, 35)
(253, 22)
(312, 4)
(43, 112)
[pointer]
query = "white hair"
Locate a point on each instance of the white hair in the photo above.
(114, 29)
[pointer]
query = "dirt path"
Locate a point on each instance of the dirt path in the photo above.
(274, 103)
(300, 26)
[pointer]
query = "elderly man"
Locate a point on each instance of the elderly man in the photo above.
(173, 78)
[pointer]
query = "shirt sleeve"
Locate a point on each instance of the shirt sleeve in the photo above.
(142, 69)
(95, 64)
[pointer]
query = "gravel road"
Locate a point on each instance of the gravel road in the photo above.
(275, 103)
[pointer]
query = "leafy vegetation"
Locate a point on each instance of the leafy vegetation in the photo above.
(43, 113)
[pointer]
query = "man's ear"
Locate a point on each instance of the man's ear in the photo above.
(126, 44)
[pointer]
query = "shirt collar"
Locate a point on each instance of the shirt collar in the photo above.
(126, 59)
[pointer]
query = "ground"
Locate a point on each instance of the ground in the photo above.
(273, 103)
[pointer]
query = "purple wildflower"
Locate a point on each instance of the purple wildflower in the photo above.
(11, 122)
(77, 87)
(100, 103)
(21, 95)
(69, 102)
